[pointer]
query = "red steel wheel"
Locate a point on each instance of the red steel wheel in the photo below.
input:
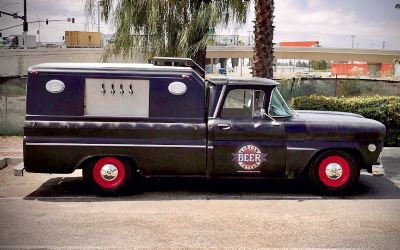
(108, 175)
(109, 172)
(334, 171)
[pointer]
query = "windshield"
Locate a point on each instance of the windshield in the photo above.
(278, 106)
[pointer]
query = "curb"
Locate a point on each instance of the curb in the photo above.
(4, 162)
(391, 152)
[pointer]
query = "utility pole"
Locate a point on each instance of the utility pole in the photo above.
(25, 30)
(352, 41)
(98, 22)
(39, 28)
(98, 16)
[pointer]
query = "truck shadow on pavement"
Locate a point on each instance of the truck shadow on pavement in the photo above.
(72, 189)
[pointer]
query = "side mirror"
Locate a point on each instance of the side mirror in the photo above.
(264, 114)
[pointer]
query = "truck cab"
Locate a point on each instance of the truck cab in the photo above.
(165, 119)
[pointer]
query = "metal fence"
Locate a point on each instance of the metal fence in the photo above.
(13, 94)
(231, 40)
(294, 87)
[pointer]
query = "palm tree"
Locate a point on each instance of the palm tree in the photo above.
(166, 27)
(263, 35)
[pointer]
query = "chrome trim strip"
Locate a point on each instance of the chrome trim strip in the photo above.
(305, 149)
(219, 101)
(114, 145)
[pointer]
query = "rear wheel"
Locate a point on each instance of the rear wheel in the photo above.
(334, 172)
(108, 175)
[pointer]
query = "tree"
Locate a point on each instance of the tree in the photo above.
(319, 65)
(263, 35)
(166, 27)
(323, 65)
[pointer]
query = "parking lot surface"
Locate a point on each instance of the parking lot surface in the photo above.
(56, 211)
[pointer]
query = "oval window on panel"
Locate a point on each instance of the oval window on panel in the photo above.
(55, 86)
(177, 88)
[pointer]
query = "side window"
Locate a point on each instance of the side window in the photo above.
(278, 106)
(243, 103)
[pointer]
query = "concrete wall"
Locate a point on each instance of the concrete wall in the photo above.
(17, 61)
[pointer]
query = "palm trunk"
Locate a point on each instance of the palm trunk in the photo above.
(264, 34)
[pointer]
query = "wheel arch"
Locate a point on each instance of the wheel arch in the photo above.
(92, 158)
(358, 157)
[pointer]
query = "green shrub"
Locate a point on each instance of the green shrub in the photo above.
(385, 109)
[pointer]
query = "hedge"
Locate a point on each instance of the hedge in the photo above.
(385, 109)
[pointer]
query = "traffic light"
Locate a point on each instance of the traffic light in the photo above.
(73, 20)
(47, 21)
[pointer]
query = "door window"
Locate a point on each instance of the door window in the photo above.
(242, 103)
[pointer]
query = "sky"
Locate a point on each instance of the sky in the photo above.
(332, 22)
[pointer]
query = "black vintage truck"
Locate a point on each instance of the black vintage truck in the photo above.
(120, 121)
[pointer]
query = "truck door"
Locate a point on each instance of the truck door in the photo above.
(245, 141)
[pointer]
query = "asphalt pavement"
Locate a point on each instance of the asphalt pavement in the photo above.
(56, 212)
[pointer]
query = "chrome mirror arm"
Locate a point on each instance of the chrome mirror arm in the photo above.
(274, 122)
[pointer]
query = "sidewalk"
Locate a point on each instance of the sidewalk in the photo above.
(10, 146)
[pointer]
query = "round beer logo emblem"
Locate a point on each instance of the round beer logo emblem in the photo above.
(249, 157)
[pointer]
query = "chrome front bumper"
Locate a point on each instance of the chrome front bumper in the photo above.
(378, 170)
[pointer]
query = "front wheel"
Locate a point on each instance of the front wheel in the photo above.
(334, 172)
(108, 175)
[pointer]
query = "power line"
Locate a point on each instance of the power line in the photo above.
(11, 27)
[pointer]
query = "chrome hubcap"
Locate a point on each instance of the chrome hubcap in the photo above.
(333, 171)
(109, 172)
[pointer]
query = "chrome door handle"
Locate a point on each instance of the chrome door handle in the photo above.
(224, 126)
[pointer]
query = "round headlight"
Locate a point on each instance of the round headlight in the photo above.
(371, 147)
